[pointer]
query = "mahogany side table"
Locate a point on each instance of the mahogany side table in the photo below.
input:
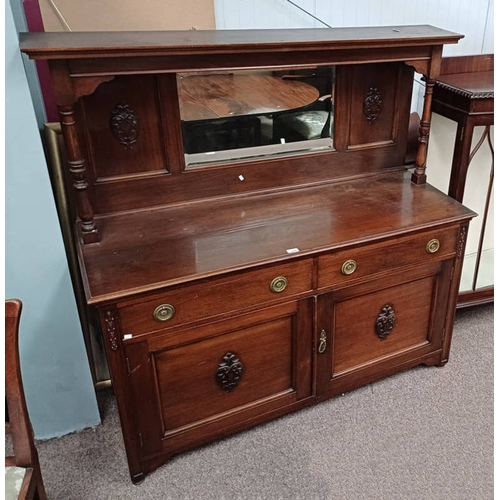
(464, 93)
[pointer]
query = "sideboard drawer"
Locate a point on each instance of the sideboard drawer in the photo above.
(346, 266)
(217, 296)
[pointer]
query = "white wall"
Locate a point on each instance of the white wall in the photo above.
(56, 376)
(472, 18)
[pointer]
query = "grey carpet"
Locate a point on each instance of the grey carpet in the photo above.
(426, 433)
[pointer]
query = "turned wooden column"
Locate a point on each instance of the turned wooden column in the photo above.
(67, 91)
(418, 176)
(77, 168)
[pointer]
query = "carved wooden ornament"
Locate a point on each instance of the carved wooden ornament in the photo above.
(385, 322)
(111, 329)
(228, 375)
(124, 125)
(373, 104)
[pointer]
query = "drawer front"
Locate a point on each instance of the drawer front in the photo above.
(347, 266)
(217, 296)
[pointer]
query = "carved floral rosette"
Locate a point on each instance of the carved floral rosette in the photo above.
(229, 372)
(124, 125)
(385, 322)
(372, 104)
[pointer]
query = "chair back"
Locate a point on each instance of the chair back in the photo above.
(17, 423)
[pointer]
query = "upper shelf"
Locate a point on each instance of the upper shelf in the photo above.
(76, 45)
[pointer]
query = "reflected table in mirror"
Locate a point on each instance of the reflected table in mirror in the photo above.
(223, 112)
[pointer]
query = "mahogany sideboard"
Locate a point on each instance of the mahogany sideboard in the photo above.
(232, 292)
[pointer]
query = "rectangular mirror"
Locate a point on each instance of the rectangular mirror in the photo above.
(227, 116)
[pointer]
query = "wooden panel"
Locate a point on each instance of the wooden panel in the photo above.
(355, 338)
(417, 54)
(218, 296)
(467, 64)
(108, 156)
(374, 105)
(383, 257)
(191, 394)
(187, 375)
(138, 363)
(416, 295)
(217, 180)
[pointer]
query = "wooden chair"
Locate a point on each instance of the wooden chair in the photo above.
(23, 478)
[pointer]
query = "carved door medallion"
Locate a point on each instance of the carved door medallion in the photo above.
(385, 322)
(124, 125)
(228, 374)
(373, 104)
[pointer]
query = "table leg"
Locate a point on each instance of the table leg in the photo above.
(461, 160)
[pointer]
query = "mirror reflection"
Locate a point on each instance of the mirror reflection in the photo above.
(246, 114)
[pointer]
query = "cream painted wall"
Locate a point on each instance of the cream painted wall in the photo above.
(127, 15)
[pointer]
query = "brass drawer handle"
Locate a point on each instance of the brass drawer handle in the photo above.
(322, 342)
(349, 266)
(278, 284)
(164, 312)
(432, 246)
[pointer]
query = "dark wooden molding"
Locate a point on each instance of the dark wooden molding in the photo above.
(88, 84)
(421, 66)
(385, 322)
(469, 94)
(229, 372)
(206, 42)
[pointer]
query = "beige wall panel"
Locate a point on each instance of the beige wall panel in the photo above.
(127, 15)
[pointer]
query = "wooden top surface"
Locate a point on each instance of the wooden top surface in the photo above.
(68, 45)
(474, 85)
(470, 76)
(204, 97)
(144, 251)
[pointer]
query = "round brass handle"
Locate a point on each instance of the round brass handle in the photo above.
(164, 312)
(432, 246)
(278, 284)
(349, 266)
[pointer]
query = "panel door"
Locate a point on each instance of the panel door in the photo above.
(371, 330)
(192, 385)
